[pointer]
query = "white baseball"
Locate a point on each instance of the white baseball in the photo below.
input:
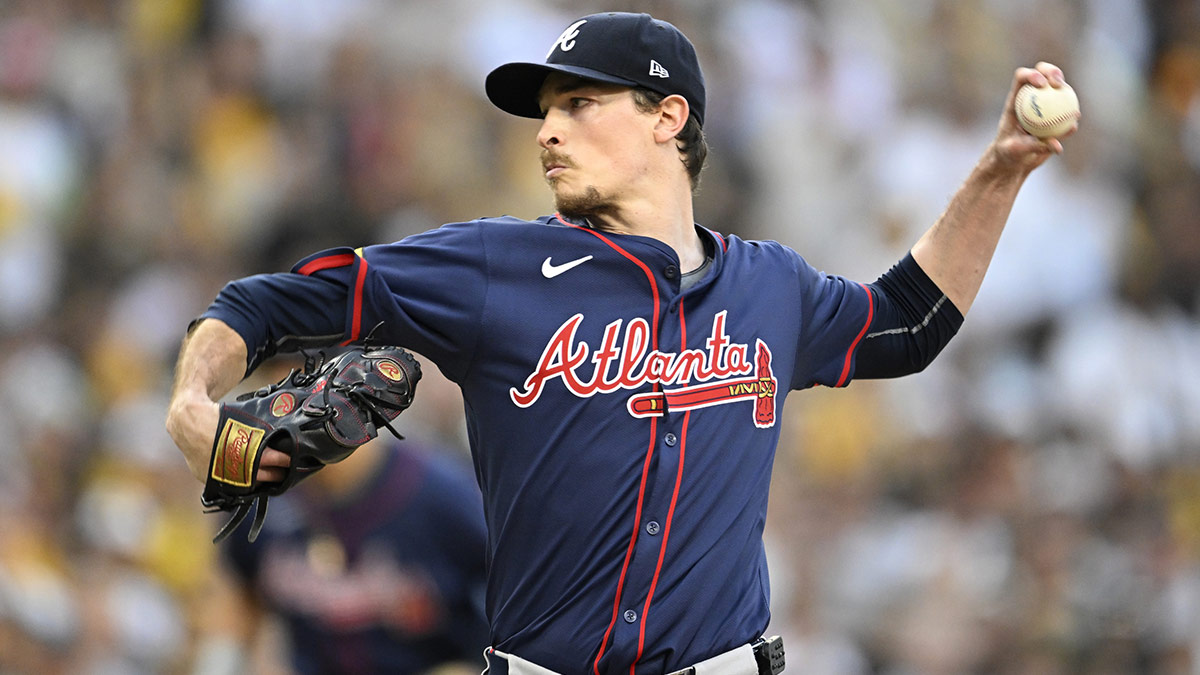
(1047, 112)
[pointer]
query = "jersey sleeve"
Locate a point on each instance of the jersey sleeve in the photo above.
(425, 293)
(276, 313)
(835, 313)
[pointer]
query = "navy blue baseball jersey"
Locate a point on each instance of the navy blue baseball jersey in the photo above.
(388, 579)
(623, 429)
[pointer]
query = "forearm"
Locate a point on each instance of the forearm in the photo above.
(956, 251)
(211, 362)
(250, 320)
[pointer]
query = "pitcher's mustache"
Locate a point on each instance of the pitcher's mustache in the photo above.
(550, 159)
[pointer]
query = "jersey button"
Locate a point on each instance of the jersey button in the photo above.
(670, 440)
(652, 527)
(671, 272)
(630, 616)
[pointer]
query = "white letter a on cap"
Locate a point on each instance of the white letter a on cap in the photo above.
(657, 70)
(567, 39)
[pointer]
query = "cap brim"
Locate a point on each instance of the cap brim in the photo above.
(514, 87)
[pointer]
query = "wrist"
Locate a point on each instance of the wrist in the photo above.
(996, 167)
(192, 423)
(184, 404)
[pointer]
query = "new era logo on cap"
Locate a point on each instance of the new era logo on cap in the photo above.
(633, 50)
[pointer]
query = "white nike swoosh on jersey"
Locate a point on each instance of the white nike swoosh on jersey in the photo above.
(550, 271)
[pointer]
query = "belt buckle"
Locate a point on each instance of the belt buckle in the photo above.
(768, 653)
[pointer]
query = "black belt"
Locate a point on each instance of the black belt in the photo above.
(768, 653)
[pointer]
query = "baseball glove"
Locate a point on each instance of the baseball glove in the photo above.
(318, 416)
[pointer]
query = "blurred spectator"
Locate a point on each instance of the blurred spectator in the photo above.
(39, 169)
(373, 565)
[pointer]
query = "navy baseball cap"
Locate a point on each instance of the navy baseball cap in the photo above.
(634, 50)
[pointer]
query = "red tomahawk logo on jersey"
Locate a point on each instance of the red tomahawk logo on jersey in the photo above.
(760, 388)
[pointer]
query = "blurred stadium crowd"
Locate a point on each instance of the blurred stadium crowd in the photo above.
(1028, 505)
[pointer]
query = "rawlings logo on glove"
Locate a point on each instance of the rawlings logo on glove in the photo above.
(317, 416)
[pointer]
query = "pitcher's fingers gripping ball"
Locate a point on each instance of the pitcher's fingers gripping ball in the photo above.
(317, 416)
(1047, 112)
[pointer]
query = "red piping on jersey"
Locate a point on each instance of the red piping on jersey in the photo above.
(724, 246)
(327, 262)
(639, 263)
(850, 352)
(662, 547)
(356, 311)
(637, 519)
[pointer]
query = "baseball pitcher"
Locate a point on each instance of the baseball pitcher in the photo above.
(623, 367)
